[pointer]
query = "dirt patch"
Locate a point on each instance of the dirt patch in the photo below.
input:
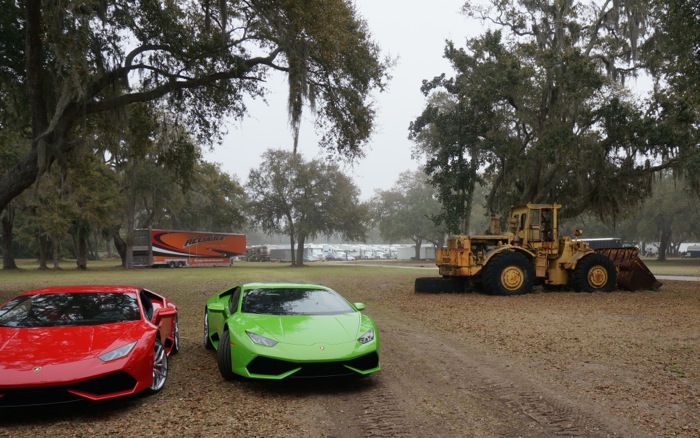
(544, 364)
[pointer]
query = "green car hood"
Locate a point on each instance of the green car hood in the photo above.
(307, 329)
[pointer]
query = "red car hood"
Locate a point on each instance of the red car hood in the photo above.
(45, 346)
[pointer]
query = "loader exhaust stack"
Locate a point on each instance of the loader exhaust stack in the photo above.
(633, 274)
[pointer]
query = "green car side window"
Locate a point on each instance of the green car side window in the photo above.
(233, 301)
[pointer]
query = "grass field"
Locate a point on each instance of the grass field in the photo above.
(202, 282)
(672, 266)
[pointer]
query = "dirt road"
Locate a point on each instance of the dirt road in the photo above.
(436, 385)
(463, 365)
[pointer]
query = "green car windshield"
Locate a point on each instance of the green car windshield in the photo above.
(294, 301)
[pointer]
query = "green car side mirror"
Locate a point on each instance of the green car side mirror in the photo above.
(359, 306)
(216, 307)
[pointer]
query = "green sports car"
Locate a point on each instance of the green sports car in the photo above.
(285, 330)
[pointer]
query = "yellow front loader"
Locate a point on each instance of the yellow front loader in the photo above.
(530, 253)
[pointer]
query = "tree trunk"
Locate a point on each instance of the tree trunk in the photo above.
(44, 246)
(81, 256)
(130, 219)
(55, 253)
(291, 246)
(93, 249)
(465, 222)
(664, 243)
(8, 256)
(418, 241)
(675, 249)
(300, 251)
(119, 244)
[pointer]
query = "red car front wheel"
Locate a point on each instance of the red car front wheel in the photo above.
(160, 367)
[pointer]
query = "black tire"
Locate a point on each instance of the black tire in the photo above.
(434, 285)
(176, 338)
(594, 273)
(223, 357)
(171, 264)
(207, 340)
(508, 273)
(160, 367)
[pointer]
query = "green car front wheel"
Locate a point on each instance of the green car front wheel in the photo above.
(223, 357)
(207, 341)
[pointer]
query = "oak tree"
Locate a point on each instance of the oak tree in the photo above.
(407, 211)
(304, 199)
(541, 110)
(198, 60)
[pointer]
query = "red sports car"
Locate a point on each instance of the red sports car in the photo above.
(62, 344)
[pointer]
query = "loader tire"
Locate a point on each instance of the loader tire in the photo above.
(433, 285)
(594, 273)
(508, 273)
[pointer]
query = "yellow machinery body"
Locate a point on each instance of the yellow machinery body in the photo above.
(551, 260)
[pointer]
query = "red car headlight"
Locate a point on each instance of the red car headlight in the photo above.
(117, 353)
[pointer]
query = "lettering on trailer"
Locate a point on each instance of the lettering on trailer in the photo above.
(190, 245)
(202, 239)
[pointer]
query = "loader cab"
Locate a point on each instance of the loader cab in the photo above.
(534, 225)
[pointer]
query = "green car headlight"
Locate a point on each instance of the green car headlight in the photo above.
(367, 337)
(117, 353)
(261, 340)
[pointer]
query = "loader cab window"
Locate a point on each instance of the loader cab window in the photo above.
(546, 226)
(535, 218)
(535, 225)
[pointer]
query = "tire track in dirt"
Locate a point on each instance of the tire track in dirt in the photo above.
(445, 387)
(381, 415)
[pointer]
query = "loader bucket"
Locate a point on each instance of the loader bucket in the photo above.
(633, 274)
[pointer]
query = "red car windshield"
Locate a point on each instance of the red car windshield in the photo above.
(293, 301)
(69, 309)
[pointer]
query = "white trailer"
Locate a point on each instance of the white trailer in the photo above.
(427, 252)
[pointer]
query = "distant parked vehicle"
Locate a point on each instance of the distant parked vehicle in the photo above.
(693, 251)
(176, 249)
